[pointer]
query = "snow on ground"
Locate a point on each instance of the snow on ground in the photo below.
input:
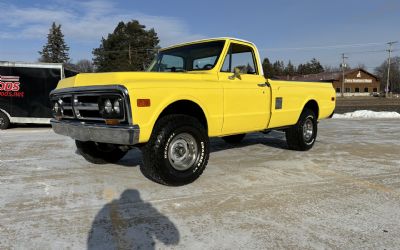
(344, 193)
(367, 114)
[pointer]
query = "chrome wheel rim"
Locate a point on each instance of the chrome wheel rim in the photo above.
(308, 129)
(182, 151)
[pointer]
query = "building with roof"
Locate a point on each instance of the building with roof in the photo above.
(357, 82)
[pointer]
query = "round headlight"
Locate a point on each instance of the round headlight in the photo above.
(116, 107)
(108, 106)
(56, 107)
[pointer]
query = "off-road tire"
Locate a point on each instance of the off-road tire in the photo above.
(4, 121)
(99, 153)
(295, 135)
(234, 139)
(156, 153)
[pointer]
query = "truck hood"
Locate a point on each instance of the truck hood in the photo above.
(135, 78)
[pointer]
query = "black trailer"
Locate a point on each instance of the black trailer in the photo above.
(24, 91)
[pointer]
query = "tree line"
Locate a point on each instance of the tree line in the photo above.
(278, 68)
(131, 47)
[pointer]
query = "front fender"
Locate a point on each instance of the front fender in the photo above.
(146, 117)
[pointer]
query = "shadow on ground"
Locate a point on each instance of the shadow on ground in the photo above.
(273, 139)
(28, 126)
(131, 223)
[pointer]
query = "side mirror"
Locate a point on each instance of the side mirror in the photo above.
(237, 74)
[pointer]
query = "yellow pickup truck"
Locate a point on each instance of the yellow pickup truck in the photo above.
(190, 92)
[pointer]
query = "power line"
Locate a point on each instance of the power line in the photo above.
(367, 51)
(339, 46)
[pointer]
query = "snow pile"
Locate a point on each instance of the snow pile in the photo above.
(367, 114)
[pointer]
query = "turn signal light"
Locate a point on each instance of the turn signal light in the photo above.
(143, 102)
(112, 121)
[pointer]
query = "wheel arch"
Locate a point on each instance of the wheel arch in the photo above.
(185, 107)
(7, 114)
(312, 104)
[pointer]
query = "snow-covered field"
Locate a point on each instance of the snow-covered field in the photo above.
(342, 194)
(367, 114)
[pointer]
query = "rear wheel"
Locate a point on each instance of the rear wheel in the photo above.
(303, 134)
(177, 152)
(99, 153)
(4, 121)
(234, 139)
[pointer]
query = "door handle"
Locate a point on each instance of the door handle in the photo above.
(265, 84)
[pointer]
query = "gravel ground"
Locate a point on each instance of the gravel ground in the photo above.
(344, 193)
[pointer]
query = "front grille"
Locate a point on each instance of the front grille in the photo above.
(88, 105)
(66, 103)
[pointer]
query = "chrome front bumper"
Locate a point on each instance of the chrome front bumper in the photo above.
(122, 135)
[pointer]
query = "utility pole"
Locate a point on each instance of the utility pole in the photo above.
(388, 73)
(343, 65)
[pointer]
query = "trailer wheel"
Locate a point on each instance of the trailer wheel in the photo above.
(177, 152)
(302, 135)
(4, 121)
(99, 153)
(234, 139)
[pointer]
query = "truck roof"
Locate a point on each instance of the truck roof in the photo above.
(208, 39)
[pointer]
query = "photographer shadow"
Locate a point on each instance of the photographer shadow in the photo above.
(131, 223)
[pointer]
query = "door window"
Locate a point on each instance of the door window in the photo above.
(204, 63)
(171, 63)
(241, 57)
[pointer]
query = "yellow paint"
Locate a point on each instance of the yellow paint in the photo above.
(230, 106)
(295, 96)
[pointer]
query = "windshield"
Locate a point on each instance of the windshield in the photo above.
(201, 56)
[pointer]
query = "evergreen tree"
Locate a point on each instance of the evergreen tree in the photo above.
(290, 69)
(315, 66)
(311, 67)
(301, 69)
(267, 68)
(55, 50)
(278, 67)
(129, 48)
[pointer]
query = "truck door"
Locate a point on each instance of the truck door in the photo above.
(246, 95)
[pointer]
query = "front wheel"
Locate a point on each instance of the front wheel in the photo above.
(303, 134)
(99, 153)
(177, 152)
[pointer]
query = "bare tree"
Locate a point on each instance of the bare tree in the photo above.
(85, 66)
(394, 80)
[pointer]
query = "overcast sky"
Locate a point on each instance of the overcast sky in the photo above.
(283, 30)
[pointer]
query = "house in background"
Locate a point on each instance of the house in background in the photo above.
(357, 82)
